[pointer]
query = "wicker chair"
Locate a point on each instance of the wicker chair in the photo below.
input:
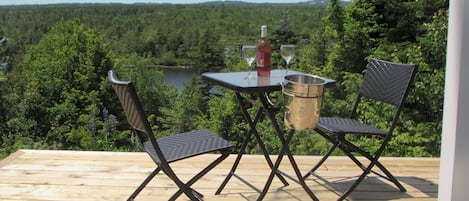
(166, 150)
(384, 82)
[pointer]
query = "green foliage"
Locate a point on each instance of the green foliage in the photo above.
(54, 93)
(225, 117)
(166, 33)
(334, 20)
(59, 82)
(185, 111)
(207, 53)
(385, 30)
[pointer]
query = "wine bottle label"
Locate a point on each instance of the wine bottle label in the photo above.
(263, 59)
(260, 59)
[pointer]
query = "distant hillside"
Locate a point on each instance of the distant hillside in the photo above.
(227, 2)
(313, 2)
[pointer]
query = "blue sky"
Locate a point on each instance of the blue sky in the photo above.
(42, 2)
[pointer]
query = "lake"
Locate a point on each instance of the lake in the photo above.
(178, 76)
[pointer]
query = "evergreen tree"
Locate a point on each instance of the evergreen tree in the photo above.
(61, 83)
(186, 111)
(208, 52)
(334, 20)
(283, 34)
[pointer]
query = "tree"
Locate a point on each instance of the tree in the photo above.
(313, 58)
(207, 53)
(185, 111)
(282, 35)
(390, 30)
(60, 84)
(334, 20)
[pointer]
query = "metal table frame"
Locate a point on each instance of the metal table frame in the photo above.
(261, 87)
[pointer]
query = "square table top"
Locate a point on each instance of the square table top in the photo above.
(236, 80)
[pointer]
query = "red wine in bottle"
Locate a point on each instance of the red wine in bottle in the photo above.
(263, 54)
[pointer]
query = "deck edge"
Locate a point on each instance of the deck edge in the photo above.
(11, 157)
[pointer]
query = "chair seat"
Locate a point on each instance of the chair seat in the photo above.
(184, 145)
(350, 126)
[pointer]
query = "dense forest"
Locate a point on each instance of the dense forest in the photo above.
(54, 92)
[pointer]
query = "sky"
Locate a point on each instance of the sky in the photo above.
(43, 2)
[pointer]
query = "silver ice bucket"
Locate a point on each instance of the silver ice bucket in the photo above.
(303, 98)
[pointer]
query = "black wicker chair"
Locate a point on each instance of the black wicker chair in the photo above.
(384, 82)
(166, 150)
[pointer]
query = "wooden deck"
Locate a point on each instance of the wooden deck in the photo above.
(79, 175)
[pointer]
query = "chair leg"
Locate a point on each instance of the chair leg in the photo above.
(328, 153)
(189, 192)
(388, 174)
(144, 183)
(354, 159)
(390, 177)
(200, 175)
(323, 159)
(347, 147)
(358, 181)
(183, 188)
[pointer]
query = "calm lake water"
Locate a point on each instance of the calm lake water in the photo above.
(178, 76)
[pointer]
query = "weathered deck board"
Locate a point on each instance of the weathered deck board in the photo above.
(78, 175)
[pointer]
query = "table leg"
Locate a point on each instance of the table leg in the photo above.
(285, 149)
(252, 125)
(253, 130)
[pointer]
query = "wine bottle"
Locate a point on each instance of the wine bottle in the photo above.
(263, 54)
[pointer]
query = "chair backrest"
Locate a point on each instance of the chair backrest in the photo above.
(130, 103)
(133, 110)
(386, 82)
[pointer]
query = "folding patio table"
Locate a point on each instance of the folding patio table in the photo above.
(259, 89)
